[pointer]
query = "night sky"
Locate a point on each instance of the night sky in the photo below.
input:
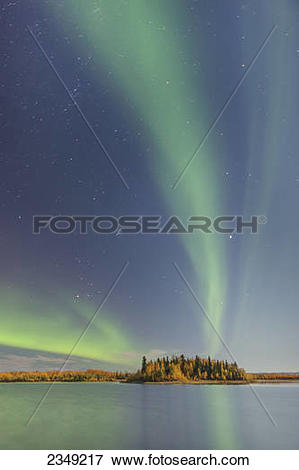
(146, 81)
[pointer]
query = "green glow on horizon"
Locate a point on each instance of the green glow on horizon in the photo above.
(136, 41)
(29, 322)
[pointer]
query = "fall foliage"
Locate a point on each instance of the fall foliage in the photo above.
(90, 375)
(177, 369)
(182, 369)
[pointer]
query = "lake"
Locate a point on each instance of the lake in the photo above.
(127, 416)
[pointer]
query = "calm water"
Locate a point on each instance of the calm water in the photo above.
(119, 416)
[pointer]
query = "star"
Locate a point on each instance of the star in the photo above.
(76, 297)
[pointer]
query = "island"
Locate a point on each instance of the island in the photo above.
(164, 370)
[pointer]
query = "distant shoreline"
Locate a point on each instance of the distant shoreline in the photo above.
(218, 382)
(176, 370)
(203, 382)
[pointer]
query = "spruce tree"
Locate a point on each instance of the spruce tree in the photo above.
(143, 366)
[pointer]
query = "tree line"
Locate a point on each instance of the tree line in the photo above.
(90, 375)
(183, 369)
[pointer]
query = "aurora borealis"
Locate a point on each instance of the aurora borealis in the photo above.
(167, 97)
(150, 77)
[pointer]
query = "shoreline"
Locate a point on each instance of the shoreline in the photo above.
(203, 382)
(215, 382)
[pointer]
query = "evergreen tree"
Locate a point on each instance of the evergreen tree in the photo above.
(183, 362)
(209, 368)
(143, 365)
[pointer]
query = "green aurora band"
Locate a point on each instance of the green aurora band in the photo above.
(136, 41)
(29, 322)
